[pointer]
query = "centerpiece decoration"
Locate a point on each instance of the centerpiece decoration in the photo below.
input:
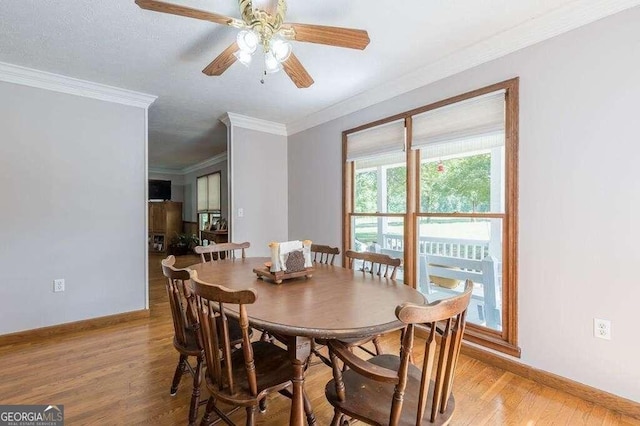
(290, 259)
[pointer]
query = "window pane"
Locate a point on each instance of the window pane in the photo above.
(381, 184)
(202, 194)
(202, 221)
(470, 182)
(366, 191)
(396, 188)
(452, 250)
(379, 235)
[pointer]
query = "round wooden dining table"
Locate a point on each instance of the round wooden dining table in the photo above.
(335, 303)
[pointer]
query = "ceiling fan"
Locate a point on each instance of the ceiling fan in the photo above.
(266, 29)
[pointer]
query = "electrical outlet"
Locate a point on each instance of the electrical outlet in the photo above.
(602, 328)
(58, 285)
(240, 212)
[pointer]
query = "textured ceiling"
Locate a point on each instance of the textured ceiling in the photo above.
(116, 43)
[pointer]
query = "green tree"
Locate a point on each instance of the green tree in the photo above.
(397, 189)
(471, 181)
(366, 192)
(464, 185)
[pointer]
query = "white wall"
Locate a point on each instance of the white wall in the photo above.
(72, 185)
(579, 196)
(259, 176)
(177, 185)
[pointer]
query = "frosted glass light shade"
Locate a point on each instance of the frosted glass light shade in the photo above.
(247, 41)
(271, 63)
(243, 57)
(281, 49)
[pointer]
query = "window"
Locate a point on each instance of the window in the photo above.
(437, 187)
(380, 175)
(208, 200)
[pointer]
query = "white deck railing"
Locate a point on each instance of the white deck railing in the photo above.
(452, 247)
(459, 259)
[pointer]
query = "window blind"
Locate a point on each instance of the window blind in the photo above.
(202, 194)
(399, 158)
(213, 183)
(471, 125)
(463, 146)
(208, 188)
(375, 141)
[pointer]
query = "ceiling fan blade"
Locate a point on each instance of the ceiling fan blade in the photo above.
(297, 73)
(174, 9)
(222, 62)
(333, 36)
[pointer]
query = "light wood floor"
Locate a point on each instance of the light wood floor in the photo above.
(120, 375)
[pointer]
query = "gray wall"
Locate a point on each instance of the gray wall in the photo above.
(259, 177)
(177, 185)
(579, 197)
(72, 185)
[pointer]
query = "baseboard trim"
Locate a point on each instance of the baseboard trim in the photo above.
(588, 393)
(29, 336)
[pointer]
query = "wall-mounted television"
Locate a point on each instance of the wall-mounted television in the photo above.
(159, 189)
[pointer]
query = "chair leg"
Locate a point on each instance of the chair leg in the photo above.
(336, 417)
(376, 343)
(206, 419)
(251, 415)
(316, 352)
(308, 410)
(195, 396)
(182, 364)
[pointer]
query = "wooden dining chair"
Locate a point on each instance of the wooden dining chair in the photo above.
(245, 377)
(221, 251)
(324, 254)
(185, 326)
(376, 264)
(389, 389)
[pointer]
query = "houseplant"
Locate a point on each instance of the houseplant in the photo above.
(182, 243)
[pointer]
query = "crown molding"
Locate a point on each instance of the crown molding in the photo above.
(163, 171)
(238, 120)
(190, 169)
(554, 23)
(59, 83)
(206, 163)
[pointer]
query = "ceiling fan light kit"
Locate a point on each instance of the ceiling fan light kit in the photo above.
(268, 29)
(276, 51)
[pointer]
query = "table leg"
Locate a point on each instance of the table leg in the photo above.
(299, 350)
